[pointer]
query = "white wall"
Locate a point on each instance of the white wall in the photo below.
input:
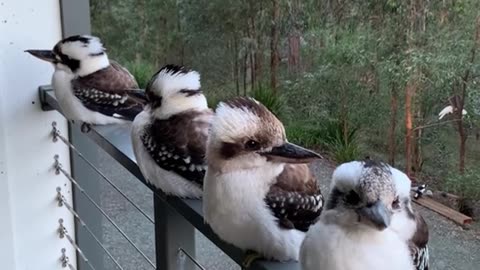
(28, 212)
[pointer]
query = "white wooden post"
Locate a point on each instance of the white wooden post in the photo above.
(29, 213)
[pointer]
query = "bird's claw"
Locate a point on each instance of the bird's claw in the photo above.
(250, 257)
(85, 128)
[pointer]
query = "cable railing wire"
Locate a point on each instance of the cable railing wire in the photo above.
(56, 135)
(181, 250)
(58, 167)
(62, 231)
(63, 202)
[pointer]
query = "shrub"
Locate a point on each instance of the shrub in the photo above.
(273, 101)
(142, 71)
(343, 146)
(304, 134)
(466, 185)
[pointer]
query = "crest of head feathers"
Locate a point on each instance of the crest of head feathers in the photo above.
(172, 79)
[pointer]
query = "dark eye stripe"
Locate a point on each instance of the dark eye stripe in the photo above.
(190, 92)
(352, 198)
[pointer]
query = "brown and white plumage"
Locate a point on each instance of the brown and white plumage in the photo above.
(258, 193)
(169, 137)
(418, 243)
(295, 198)
(89, 87)
(112, 90)
(368, 223)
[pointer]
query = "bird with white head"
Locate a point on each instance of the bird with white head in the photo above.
(258, 193)
(368, 223)
(88, 86)
(170, 135)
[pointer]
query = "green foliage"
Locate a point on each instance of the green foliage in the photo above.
(466, 185)
(304, 134)
(352, 58)
(274, 102)
(142, 72)
(341, 143)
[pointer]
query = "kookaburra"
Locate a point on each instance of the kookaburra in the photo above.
(88, 86)
(259, 194)
(368, 223)
(170, 135)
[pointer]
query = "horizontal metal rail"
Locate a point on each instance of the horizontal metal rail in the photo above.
(116, 141)
(185, 253)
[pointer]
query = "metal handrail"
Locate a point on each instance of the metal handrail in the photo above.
(119, 147)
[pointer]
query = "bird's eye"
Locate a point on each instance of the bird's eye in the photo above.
(396, 203)
(252, 145)
(352, 198)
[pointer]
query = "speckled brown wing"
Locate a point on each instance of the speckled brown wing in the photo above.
(112, 90)
(179, 143)
(419, 244)
(295, 199)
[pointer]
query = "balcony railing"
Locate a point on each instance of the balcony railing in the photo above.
(174, 219)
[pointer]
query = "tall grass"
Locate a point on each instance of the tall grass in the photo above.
(273, 101)
(142, 71)
(343, 145)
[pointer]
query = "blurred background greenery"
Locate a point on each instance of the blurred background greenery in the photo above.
(346, 77)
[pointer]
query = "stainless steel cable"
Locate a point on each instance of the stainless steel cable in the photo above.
(56, 135)
(62, 201)
(191, 258)
(62, 231)
(59, 168)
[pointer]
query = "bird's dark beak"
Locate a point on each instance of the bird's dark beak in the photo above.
(291, 153)
(46, 55)
(377, 213)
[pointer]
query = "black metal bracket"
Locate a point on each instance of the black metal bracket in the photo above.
(42, 94)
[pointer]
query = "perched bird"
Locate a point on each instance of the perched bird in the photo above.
(89, 87)
(448, 110)
(419, 191)
(368, 223)
(258, 193)
(170, 135)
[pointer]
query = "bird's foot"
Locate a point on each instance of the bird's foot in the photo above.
(85, 128)
(250, 257)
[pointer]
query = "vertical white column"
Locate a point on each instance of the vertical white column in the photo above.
(28, 210)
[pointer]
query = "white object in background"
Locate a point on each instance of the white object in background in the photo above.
(448, 110)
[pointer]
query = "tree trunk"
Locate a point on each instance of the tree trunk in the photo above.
(463, 140)
(293, 52)
(417, 141)
(459, 115)
(274, 58)
(235, 59)
(294, 37)
(410, 89)
(393, 124)
(245, 59)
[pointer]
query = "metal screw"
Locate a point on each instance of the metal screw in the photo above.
(61, 229)
(64, 259)
(59, 197)
(55, 131)
(57, 165)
